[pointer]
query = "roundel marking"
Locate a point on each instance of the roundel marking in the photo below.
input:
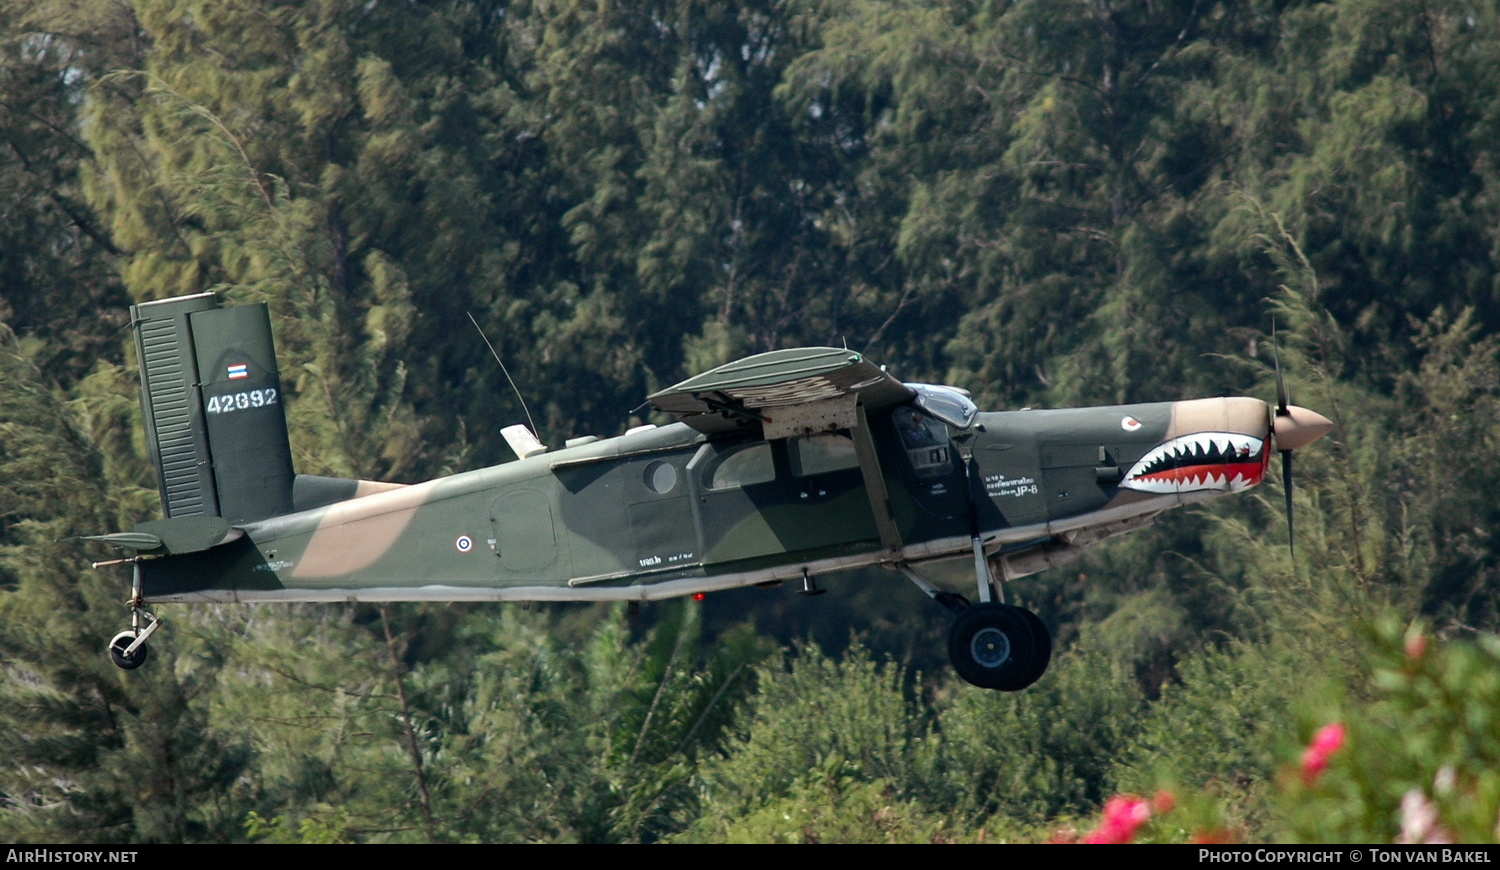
(1130, 424)
(464, 543)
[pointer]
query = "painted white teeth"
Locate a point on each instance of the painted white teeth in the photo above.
(1220, 445)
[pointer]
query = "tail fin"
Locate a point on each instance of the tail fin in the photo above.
(212, 401)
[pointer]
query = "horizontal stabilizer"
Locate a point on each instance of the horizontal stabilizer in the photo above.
(190, 534)
(139, 541)
(177, 535)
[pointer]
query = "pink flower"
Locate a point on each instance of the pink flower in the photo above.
(1163, 802)
(1416, 646)
(1419, 820)
(1324, 744)
(1123, 816)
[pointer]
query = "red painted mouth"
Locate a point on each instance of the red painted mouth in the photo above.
(1195, 476)
(1223, 461)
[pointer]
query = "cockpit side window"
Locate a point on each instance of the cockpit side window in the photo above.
(925, 439)
(821, 454)
(750, 465)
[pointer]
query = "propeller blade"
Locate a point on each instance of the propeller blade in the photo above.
(1292, 428)
(1282, 400)
(1286, 485)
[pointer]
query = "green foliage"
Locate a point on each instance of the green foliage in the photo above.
(1449, 425)
(859, 735)
(58, 288)
(826, 805)
(95, 754)
(1047, 752)
(309, 830)
(1216, 729)
(1046, 202)
(1418, 763)
(1400, 750)
(807, 711)
(523, 731)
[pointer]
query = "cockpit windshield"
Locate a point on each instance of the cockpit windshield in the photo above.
(947, 404)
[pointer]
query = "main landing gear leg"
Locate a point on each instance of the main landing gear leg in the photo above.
(989, 590)
(128, 648)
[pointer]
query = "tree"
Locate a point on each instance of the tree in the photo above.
(97, 754)
(57, 282)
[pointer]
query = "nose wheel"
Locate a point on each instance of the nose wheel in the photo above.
(128, 648)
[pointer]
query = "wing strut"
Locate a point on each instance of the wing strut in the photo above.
(869, 466)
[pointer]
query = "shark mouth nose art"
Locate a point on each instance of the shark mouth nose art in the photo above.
(1220, 461)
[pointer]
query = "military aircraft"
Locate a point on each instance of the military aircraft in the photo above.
(782, 466)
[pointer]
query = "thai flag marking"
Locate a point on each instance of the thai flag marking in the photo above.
(239, 371)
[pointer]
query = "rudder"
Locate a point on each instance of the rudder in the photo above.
(212, 403)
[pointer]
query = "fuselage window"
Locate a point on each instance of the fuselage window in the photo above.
(660, 477)
(820, 454)
(752, 465)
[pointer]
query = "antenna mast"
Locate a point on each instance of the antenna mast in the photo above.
(519, 397)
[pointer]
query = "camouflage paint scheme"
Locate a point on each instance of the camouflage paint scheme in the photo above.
(639, 517)
(786, 464)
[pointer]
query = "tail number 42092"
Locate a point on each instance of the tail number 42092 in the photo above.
(241, 401)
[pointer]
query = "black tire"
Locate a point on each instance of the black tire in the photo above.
(992, 646)
(1041, 655)
(119, 644)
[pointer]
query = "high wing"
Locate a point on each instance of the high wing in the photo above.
(790, 392)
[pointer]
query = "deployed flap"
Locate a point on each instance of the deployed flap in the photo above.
(788, 392)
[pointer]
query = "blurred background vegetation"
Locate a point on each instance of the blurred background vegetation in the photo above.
(1049, 203)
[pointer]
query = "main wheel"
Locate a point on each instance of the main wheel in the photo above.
(1040, 657)
(993, 646)
(122, 642)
